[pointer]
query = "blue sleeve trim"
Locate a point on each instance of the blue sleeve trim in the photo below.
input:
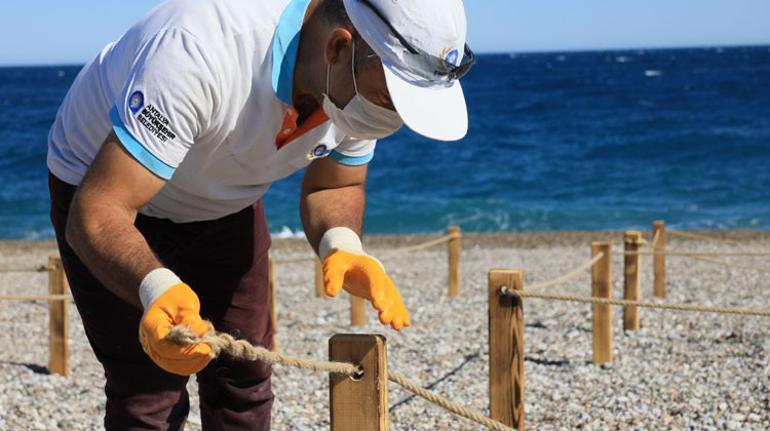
(137, 150)
(351, 161)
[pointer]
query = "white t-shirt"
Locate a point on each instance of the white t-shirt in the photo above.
(199, 92)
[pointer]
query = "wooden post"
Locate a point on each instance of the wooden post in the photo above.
(601, 286)
(320, 289)
(58, 359)
(632, 272)
(357, 311)
(359, 404)
(506, 349)
(659, 259)
(271, 294)
(453, 247)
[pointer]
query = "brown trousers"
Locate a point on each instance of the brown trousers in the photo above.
(225, 262)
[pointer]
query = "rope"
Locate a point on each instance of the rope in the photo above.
(39, 268)
(568, 276)
(701, 257)
(34, 298)
(732, 265)
(421, 246)
(696, 253)
(242, 349)
(294, 259)
(445, 403)
(630, 303)
(691, 235)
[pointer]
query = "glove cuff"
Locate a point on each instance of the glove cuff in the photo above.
(155, 284)
(339, 238)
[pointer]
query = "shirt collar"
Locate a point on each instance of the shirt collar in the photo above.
(285, 47)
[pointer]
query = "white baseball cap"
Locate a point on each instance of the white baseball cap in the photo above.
(421, 44)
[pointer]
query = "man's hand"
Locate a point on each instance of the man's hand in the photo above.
(347, 266)
(169, 302)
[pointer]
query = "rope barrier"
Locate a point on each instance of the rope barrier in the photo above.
(445, 403)
(294, 259)
(630, 303)
(408, 248)
(702, 256)
(39, 268)
(696, 253)
(422, 246)
(691, 235)
(731, 265)
(242, 349)
(568, 276)
(34, 297)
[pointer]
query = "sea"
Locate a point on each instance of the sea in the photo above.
(557, 141)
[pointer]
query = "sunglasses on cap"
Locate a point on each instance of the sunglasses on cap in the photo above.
(426, 65)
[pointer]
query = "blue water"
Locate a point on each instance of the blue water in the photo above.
(557, 141)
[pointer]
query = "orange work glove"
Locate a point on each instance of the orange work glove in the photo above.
(168, 302)
(347, 266)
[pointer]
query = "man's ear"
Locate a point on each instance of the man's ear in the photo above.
(339, 40)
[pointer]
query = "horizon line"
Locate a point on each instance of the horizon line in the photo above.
(502, 52)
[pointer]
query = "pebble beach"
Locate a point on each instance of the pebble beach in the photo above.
(679, 371)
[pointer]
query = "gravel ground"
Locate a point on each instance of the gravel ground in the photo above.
(680, 371)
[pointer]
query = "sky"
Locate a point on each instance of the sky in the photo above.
(71, 32)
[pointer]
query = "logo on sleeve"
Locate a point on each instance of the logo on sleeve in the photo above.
(156, 123)
(136, 102)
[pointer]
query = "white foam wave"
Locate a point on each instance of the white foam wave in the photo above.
(286, 232)
(39, 234)
(652, 73)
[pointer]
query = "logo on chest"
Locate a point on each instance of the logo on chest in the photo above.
(318, 152)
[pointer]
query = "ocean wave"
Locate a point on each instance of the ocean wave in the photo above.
(38, 234)
(287, 232)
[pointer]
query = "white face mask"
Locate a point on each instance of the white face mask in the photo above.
(361, 118)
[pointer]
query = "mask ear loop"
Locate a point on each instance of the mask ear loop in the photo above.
(353, 65)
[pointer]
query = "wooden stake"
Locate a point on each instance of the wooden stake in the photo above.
(359, 405)
(632, 272)
(320, 289)
(271, 293)
(659, 259)
(357, 311)
(58, 359)
(506, 349)
(454, 262)
(601, 286)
